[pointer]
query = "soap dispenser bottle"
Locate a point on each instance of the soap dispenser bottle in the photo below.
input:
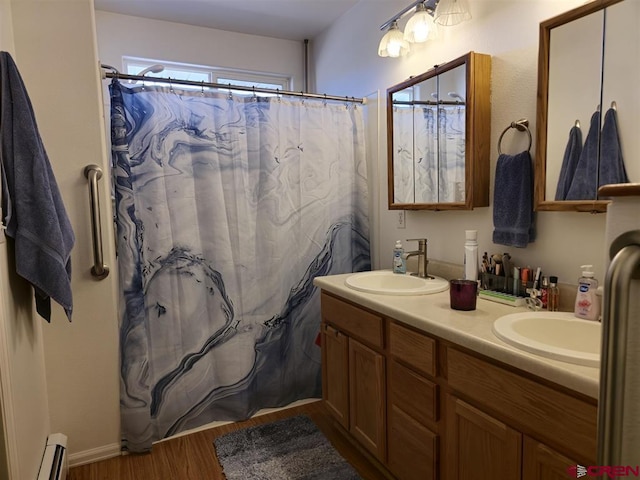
(587, 302)
(399, 260)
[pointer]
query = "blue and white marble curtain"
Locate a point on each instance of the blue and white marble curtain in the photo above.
(451, 153)
(429, 153)
(227, 208)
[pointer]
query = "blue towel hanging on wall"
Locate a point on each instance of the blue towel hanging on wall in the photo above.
(569, 162)
(34, 213)
(611, 167)
(513, 217)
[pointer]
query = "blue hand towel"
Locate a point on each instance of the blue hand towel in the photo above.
(35, 215)
(584, 184)
(611, 166)
(569, 162)
(513, 200)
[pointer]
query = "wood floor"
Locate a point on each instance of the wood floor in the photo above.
(192, 457)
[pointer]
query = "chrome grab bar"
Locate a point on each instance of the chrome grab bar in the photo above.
(624, 267)
(93, 173)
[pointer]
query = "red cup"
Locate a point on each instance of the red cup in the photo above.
(463, 294)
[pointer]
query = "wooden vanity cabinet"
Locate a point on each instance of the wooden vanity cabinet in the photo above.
(412, 405)
(353, 372)
(541, 431)
(428, 409)
(541, 462)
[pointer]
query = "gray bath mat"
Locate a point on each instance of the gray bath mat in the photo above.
(293, 448)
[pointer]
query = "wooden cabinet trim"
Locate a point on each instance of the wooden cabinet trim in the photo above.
(355, 321)
(561, 420)
(367, 394)
(543, 463)
(413, 448)
(416, 349)
(335, 371)
(412, 393)
(480, 444)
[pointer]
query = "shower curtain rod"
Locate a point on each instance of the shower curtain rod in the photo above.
(227, 86)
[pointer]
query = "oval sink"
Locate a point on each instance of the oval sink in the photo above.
(556, 335)
(385, 282)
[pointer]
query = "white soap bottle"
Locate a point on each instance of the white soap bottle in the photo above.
(399, 260)
(587, 302)
(471, 255)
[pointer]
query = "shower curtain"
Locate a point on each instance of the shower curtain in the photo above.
(429, 153)
(227, 208)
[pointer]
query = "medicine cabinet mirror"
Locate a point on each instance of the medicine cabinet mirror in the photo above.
(589, 63)
(438, 133)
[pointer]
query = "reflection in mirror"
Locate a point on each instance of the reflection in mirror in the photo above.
(589, 62)
(451, 135)
(432, 160)
(415, 142)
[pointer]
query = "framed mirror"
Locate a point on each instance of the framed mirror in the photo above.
(438, 129)
(588, 105)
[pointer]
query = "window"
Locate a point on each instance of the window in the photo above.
(198, 73)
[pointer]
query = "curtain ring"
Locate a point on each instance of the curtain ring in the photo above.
(230, 94)
(324, 102)
(170, 85)
(202, 88)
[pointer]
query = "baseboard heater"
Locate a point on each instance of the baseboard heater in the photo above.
(54, 464)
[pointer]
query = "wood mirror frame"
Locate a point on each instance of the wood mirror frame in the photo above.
(541, 203)
(477, 133)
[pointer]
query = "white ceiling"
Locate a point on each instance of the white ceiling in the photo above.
(288, 19)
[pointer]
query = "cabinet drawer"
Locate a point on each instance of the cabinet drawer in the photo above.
(353, 320)
(565, 421)
(412, 393)
(413, 449)
(413, 348)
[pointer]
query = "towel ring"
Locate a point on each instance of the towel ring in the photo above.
(521, 125)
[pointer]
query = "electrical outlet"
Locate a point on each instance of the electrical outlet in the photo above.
(401, 219)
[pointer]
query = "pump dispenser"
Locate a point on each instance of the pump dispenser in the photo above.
(399, 260)
(587, 302)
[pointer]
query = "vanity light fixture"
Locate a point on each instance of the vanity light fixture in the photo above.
(421, 26)
(393, 43)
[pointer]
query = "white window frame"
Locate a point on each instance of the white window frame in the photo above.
(210, 74)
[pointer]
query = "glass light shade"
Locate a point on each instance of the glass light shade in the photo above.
(393, 43)
(420, 26)
(451, 12)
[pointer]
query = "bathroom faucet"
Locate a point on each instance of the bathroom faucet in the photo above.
(422, 257)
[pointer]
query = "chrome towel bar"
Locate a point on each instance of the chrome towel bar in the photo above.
(93, 173)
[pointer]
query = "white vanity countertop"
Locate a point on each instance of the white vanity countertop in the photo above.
(432, 314)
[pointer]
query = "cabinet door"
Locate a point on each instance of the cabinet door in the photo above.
(479, 447)
(413, 448)
(335, 373)
(540, 462)
(366, 398)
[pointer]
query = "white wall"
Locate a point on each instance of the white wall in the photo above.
(56, 54)
(123, 35)
(24, 411)
(346, 62)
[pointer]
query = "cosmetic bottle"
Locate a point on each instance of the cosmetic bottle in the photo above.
(471, 255)
(554, 295)
(399, 260)
(587, 302)
(544, 292)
